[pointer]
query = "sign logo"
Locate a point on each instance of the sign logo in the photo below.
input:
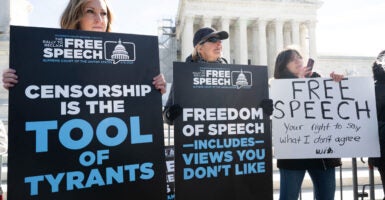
(83, 49)
(241, 79)
(119, 51)
(222, 78)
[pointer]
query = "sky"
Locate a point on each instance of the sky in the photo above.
(345, 27)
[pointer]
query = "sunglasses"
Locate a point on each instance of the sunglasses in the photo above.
(211, 39)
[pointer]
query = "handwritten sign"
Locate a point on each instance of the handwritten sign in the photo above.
(321, 118)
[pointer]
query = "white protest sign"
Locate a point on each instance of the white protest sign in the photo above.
(321, 118)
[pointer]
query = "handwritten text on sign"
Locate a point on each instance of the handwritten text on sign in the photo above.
(321, 118)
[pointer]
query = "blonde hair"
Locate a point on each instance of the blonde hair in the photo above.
(195, 54)
(71, 16)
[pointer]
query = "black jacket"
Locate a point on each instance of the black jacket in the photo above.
(301, 164)
(380, 103)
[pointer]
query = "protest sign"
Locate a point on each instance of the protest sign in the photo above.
(222, 138)
(321, 118)
(170, 163)
(84, 120)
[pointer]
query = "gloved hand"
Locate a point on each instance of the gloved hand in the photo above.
(173, 112)
(267, 106)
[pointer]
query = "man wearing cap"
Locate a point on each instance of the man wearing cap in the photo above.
(207, 48)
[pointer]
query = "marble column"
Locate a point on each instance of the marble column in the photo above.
(187, 37)
(241, 41)
(262, 42)
(312, 39)
(286, 36)
(225, 26)
(5, 16)
(206, 21)
(278, 24)
(295, 32)
(303, 38)
(254, 44)
(271, 47)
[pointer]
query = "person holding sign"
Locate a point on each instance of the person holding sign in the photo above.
(378, 69)
(86, 15)
(289, 64)
(207, 49)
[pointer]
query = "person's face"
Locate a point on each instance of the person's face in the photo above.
(94, 16)
(295, 64)
(211, 50)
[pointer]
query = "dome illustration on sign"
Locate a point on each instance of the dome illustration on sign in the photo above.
(241, 80)
(120, 52)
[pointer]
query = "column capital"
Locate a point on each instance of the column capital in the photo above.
(278, 21)
(225, 19)
(241, 21)
(259, 22)
(206, 21)
(262, 20)
(311, 23)
(295, 21)
(189, 18)
(207, 18)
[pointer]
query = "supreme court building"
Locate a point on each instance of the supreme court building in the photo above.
(259, 29)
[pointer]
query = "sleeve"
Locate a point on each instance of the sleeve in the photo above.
(315, 75)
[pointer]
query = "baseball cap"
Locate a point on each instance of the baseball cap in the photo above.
(207, 32)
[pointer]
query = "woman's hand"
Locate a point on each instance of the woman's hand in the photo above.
(9, 78)
(160, 83)
(304, 72)
(336, 77)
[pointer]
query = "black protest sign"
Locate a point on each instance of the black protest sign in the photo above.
(84, 120)
(170, 166)
(321, 118)
(222, 138)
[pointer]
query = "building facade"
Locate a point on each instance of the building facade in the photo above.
(258, 29)
(11, 12)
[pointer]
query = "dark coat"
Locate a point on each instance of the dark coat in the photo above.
(379, 77)
(303, 164)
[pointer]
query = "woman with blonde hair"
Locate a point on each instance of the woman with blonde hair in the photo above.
(74, 13)
(85, 15)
